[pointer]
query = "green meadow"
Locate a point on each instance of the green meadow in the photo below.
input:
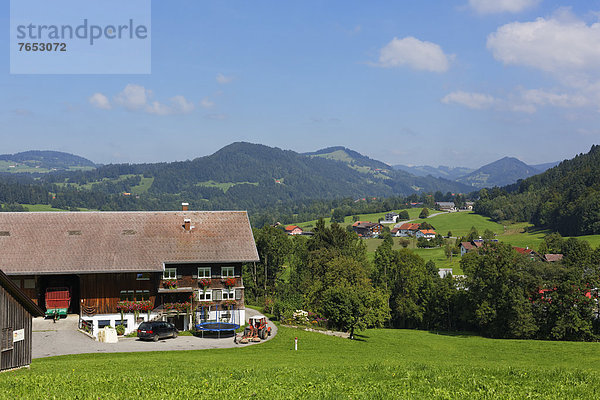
(380, 364)
(373, 217)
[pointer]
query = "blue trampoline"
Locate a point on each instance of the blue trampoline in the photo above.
(215, 326)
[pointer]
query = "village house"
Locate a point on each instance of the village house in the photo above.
(526, 252)
(390, 218)
(148, 265)
(466, 247)
(16, 311)
(425, 233)
(367, 229)
(445, 206)
(293, 230)
(406, 229)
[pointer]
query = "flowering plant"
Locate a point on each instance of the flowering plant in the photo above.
(178, 307)
(229, 282)
(229, 303)
(204, 283)
(134, 306)
(170, 284)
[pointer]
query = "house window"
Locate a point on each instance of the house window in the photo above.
(170, 273)
(142, 295)
(103, 322)
(205, 296)
(204, 273)
(17, 282)
(228, 294)
(119, 322)
(127, 295)
(29, 284)
(145, 276)
(6, 342)
(227, 272)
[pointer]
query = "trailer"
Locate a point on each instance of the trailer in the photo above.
(58, 300)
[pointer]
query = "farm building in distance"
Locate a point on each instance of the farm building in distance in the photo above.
(16, 311)
(293, 230)
(150, 265)
(406, 229)
(367, 229)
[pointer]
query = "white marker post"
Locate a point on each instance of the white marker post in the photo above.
(296, 344)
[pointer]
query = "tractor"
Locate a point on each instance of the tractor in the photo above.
(256, 330)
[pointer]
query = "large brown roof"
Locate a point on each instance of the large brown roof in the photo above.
(88, 242)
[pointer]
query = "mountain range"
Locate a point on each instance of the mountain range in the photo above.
(259, 170)
(502, 172)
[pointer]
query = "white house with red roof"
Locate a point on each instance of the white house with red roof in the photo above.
(425, 233)
(293, 230)
(406, 229)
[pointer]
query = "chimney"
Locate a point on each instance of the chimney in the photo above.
(185, 206)
(187, 224)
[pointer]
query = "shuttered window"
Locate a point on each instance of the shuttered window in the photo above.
(217, 295)
(6, 342)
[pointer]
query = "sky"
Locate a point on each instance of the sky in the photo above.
(457, 83)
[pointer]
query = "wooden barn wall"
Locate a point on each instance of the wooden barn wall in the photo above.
(100, 293)
(14, 316)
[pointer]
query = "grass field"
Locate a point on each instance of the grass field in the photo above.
(41, 207)
(374, 217)
(224, 186)
(381, 364)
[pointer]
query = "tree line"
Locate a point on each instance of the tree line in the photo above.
(503, 294)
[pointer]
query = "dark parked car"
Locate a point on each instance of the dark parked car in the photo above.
(156, 330)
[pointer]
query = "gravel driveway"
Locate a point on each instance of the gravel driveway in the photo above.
(50, 339)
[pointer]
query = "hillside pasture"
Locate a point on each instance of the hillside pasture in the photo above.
(413, 213)
(380, 364)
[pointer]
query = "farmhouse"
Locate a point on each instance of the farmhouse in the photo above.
(407, 229)
(293, 230)
(526, 251)
(445, 206)
(16, 311)
(425, 233)
(367, 229)
(148, 265)
(552, 257)
(466, 247)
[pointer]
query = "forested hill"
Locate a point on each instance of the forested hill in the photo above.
(42, 161)
(244, 172)
(565, 198)
(502, 172)
(244, 176)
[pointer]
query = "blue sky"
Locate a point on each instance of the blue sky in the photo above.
(459, 83)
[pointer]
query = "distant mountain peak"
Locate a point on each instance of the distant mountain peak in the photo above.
(502, 172)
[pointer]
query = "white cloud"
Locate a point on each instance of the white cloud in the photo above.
(222, 79)
(561, 45)
(522, 101)
(133, 97)
(181, 105)
(476, 101)
(207, 103)
(177, 105)
(99, 100)
(542, 97)
(501, 6)
(138, 98)
(414, 53)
